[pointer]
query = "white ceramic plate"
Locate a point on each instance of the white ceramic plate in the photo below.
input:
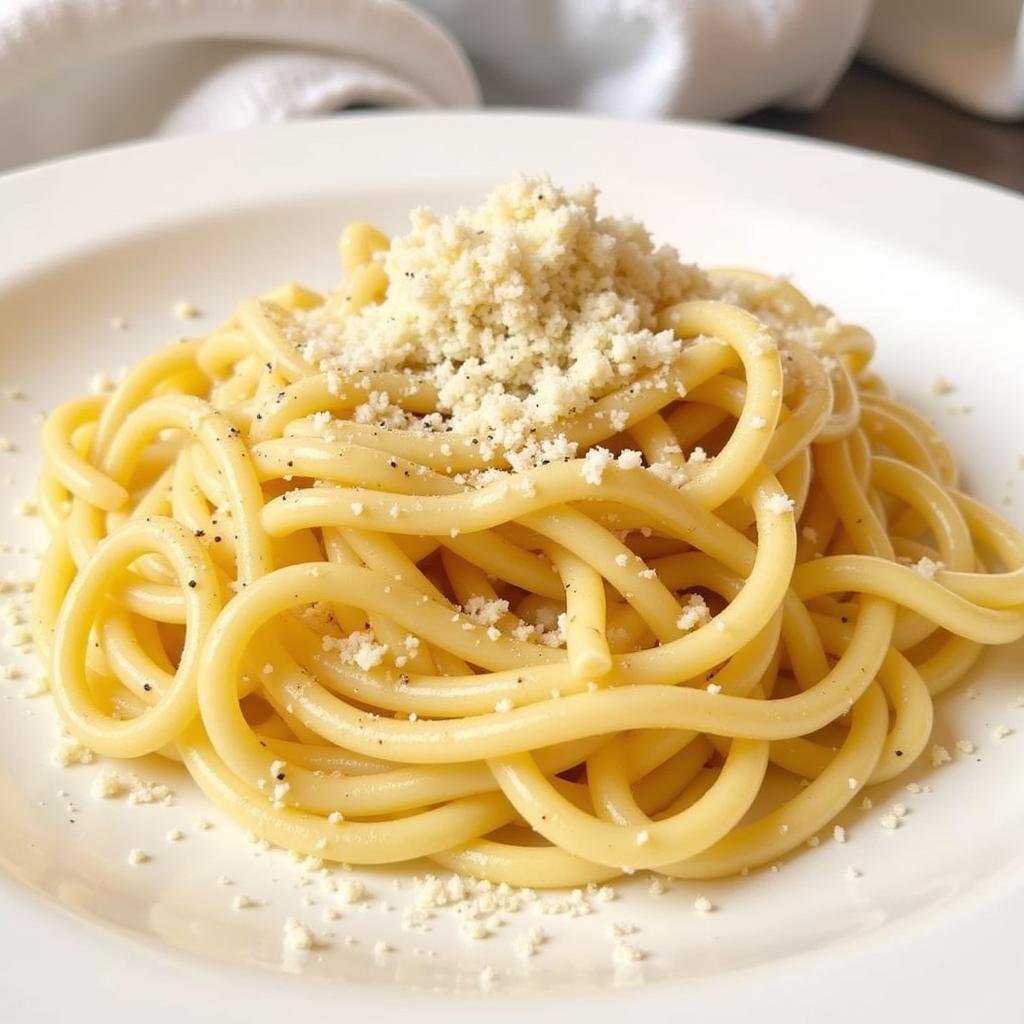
(930, 262)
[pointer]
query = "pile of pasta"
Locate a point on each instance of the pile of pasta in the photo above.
(740, 651)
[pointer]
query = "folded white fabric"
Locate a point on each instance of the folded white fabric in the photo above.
(81, 73)
(969, 51)
(75, 74)
(650, 58)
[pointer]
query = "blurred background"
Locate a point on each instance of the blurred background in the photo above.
(940, 81)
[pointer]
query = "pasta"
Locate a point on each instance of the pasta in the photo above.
(716, 603)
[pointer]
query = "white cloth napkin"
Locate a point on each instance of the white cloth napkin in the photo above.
(654, 58)
(80, 73)
(75, 74)
(969, 51)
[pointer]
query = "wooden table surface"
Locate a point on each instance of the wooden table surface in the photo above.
(872, 110)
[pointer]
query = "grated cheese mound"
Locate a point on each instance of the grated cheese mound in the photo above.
(519, 312)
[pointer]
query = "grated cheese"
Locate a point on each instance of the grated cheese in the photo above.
(143, 791)
(927, 568)
(36, 688)
(594, 464)
(474, 930)
(527, 944)
(359, 648)
(695, 613)
(69, 751)
(352, 891)
(617, 929)
(485, 612)
(105, 785)
(297, 936)
(518, 312)
(624, 953)
(779, 504)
